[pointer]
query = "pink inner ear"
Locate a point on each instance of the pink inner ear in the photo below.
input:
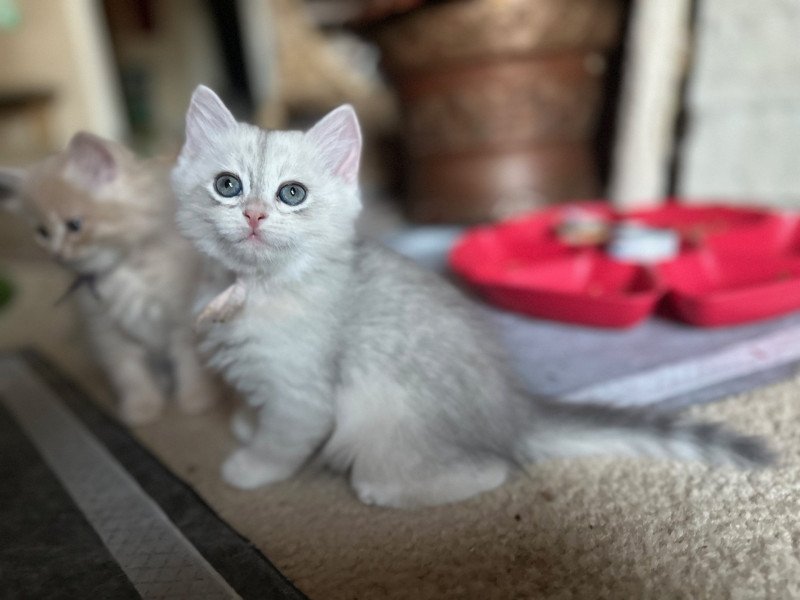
(348, 169)
(91, 159)
(338, 139)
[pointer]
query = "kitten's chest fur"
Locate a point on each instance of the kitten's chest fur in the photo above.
(282, 333)
(145, 295)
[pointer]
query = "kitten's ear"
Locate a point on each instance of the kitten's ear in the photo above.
(337, 137)
(90, 160)
(11, 180)
(206, 119)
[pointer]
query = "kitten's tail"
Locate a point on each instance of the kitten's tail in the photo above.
(565, 430)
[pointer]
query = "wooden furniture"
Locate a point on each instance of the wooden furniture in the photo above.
(500, 101)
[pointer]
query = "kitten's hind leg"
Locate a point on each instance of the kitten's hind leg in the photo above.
(287, 435)
(429, 487)
(126, 362)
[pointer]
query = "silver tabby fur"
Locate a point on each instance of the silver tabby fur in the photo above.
(354, 355)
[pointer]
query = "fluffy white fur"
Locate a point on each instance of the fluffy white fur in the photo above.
(144, 274)
(350, 353)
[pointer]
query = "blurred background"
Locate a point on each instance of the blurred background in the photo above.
(473, 110)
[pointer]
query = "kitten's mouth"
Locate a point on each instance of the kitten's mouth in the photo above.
(254, 237)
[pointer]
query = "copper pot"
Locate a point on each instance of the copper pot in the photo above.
(500, 102)
(465, 30)
(467, 188)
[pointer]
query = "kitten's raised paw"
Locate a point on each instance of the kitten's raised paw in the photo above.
(224, 306)
(138, 410)
(247, 470)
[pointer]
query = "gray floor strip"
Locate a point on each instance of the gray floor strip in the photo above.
(153, 553)
(683, 377)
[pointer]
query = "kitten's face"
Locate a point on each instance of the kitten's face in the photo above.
(68, 224)
(69, 202)
(251, 198)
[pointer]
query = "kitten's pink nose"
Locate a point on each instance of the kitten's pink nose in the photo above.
(253, 216)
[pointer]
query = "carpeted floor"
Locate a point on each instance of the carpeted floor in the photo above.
(596, 528)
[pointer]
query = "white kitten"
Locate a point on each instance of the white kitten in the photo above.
(109, 217)
(357, 356)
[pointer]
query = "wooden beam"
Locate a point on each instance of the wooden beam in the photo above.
(655, 65)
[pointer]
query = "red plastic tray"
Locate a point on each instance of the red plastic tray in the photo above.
(735, 265)
(710, 289)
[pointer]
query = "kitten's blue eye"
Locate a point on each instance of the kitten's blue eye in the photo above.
(228, 185)
(292, 194)
(74, 224)
(42, 231)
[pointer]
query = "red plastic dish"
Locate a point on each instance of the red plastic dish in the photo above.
(736, 265)
(585, 288)
(711, 289)
(717, 226)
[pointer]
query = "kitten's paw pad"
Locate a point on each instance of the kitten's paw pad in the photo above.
(224, 306)
(246, 470)
(138, 410)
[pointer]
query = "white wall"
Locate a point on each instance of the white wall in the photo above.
(743, 141)
(655, 64)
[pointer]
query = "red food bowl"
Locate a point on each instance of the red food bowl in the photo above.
(710, 288)
(586, 288)
(735, 265)
(718, 226)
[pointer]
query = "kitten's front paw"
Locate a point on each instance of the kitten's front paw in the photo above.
(140, 409)
(223, 307)
(247, 470)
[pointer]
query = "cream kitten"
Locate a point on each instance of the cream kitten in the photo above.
(109, 217)
(357, 356)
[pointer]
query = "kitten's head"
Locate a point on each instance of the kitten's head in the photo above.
(84, 204)
(254, 199)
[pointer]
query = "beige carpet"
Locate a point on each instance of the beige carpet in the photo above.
(575, 529)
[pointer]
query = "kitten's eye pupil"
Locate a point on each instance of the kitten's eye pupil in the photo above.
(42, 231)
(74, 224)
(228, 185)
(292, 194)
